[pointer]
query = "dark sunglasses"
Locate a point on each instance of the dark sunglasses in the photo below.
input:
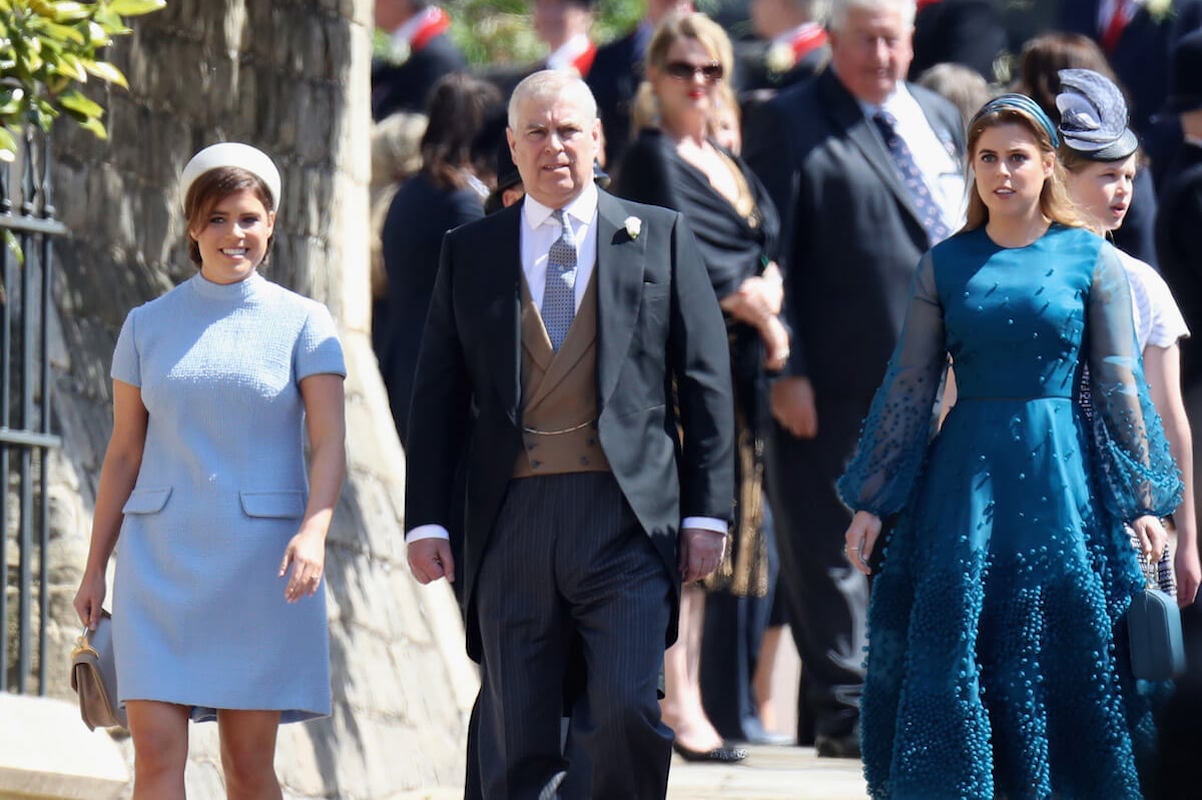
(684, 71)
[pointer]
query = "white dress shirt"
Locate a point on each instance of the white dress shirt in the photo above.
(566, 54)
(538, 232)
(935, 157)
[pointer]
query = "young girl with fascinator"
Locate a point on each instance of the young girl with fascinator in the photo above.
(1101, 154)
(219, 605)
(997, 662)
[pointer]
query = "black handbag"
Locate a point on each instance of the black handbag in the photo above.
(1154, 633)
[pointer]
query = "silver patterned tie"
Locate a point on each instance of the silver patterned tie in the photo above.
(559, 293)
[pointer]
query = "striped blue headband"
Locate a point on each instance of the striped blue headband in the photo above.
(1019, 102)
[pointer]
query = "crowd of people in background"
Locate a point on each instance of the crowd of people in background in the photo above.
(815, 164)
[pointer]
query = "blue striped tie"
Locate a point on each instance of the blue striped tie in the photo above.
(559, 292)
(929, 213)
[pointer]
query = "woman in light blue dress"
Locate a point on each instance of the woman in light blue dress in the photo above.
(219, 610)
(997, 660)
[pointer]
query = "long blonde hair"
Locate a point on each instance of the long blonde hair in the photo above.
(674, 27)
(1054, 200)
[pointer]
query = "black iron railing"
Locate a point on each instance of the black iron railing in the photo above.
(28, 225)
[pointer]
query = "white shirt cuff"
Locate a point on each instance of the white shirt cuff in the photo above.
(706, 523)
(426, 532)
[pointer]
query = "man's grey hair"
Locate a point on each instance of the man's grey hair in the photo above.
(841, 8)
(547, 84)
(814, 10)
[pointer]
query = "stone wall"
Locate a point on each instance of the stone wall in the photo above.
(290, 76)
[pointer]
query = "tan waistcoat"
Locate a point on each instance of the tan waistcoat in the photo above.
(559, 393)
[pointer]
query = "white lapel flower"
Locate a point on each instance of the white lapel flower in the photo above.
(1159, 10)
(780, 58)
(633, 226)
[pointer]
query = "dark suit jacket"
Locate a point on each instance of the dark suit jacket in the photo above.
(968, 32)
(752, 73)
(615, 77)
(851, 239)
(1141, 59)
(419, 215)
(658, 322)
(1179, 250)
(405, 87)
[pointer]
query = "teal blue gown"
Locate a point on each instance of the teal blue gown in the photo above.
(997, 662)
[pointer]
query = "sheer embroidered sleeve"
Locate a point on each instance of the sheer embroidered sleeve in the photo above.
(896, 433)
(1136, 470)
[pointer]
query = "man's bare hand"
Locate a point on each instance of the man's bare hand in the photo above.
(793, 406)
(701, 552)
(430, 559)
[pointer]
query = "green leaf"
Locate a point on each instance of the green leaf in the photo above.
(132, 8)
(8, 145)
(95, 126)
(10, 240)
(106, 71)
(62, 33)
(69, 11)
(71, 66)
(75, 101)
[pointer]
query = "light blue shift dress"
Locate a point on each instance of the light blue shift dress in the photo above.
(199, 616)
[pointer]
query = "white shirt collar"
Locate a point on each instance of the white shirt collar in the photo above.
(409, 28)
(581, 209)
(900, 96)
(568, 52)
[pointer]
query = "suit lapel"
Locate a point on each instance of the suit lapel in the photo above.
(847, 115)
(500, 292)
(619, 292)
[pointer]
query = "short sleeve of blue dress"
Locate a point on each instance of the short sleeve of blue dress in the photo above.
(199, 612)
(126, 366)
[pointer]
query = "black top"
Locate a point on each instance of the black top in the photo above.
(1179, 248)
(418, 217)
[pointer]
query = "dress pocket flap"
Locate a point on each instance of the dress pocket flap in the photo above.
(287, 505)
(146, 501)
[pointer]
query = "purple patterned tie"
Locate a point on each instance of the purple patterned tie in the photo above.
(928, 210)
(559, 292)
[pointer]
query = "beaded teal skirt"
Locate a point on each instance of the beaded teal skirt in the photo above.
(997, 664)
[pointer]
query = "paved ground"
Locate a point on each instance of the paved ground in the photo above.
(770, 773)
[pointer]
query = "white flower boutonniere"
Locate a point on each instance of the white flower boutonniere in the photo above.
(1159, 10)
(633, 225)
(780, 58)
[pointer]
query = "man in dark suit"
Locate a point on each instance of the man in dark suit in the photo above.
(791, 46)
(830, 152)
(967, 32)
(617, 72)
(1137, 37)
(569, 328)
(420, 52)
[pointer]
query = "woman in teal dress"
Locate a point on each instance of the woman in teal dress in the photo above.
(997, 662)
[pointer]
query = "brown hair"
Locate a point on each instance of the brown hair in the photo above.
(210, 189)
(1044, 56)
(458, 109)
(1054, 200)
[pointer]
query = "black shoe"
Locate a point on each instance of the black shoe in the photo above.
(723, 755)
(837, 746)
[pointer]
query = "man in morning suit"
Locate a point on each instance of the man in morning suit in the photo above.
(421, 53)
(866, 172)
(790, 48)
(578, 333)
(616, 73)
